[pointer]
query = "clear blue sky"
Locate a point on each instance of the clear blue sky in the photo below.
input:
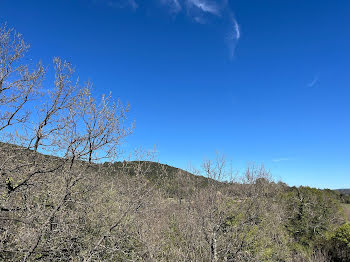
(262, 81)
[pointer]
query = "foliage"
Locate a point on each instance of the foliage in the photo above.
(338, 243)
(311, 212)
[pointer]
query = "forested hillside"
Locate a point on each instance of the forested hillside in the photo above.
(66, 197)
(344, 191)
(143, 210)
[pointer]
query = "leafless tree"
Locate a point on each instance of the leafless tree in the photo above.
(55, 109)
(102, 125)
(70, 123)
(18, 82)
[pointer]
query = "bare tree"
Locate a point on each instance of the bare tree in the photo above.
(102, 124)
(208, 204)
(38, 193)
(18, 82)
(53, 113)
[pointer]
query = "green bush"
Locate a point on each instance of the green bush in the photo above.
(339, 243)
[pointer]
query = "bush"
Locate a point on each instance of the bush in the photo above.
(339, 243)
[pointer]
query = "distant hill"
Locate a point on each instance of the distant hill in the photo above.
(345, 191)
(173, 181)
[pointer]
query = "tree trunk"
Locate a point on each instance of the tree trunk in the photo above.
(213, 248)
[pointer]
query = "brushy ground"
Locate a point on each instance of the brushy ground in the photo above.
(347, 210)
(55, 209)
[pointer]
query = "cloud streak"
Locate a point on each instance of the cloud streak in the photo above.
(314, 82)
(173, 5)
(282, 159)
(236, 29)
(234, 36)
(204, 6)
(201, 12)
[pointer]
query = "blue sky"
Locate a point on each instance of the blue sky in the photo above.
(261, 81)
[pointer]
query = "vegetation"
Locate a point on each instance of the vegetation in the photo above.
(344, 191)
(346, 208)
(63, 196)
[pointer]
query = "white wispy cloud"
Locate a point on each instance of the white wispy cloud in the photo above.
(314, 82)
(204, 6)
(234, 36)
(199, 20)
(201, 12)
(133, 4)
(281, 159)
(236, 29)
(174, 5)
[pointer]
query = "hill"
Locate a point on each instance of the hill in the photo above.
(62, 209)
(173, 181)
(345, 191)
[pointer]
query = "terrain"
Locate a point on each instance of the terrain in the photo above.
(345, 191)
(143, 210)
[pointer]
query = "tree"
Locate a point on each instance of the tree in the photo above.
(54, 111)
(102, 124)
(311, 213)
(38, 193)
(339, 243)
(19, 84)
